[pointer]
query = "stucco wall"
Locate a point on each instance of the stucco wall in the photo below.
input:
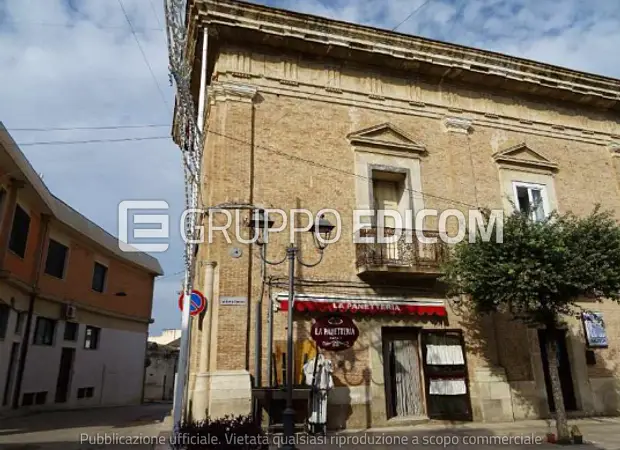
(115, 369)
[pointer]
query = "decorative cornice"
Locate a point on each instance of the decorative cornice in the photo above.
(375, 137)
(244, 22)
(457, 125)
(511, 157)
(233, 91)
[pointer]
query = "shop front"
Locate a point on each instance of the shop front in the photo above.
(406, 364)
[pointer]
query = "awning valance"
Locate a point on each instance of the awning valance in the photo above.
(364, 305)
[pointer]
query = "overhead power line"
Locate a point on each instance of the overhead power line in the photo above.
(94, 141)
(232, 138)
(102, 127)
(413, 13)
(146, 60)
(155, 14)
(175, 274)
(73, 25)
(332, 168)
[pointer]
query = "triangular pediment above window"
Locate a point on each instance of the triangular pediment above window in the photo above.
(522, 155)
(385, 136)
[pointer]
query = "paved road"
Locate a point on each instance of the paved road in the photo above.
(101, 428)
(599, 434)
(88, 429)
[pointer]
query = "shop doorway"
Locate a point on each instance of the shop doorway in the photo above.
(402, 374)
(564, 369)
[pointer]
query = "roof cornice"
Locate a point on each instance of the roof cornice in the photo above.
(409, 52)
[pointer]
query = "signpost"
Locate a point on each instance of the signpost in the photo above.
(197, 303)
(334, 333)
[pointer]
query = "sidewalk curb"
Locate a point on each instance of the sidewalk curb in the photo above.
(536, 424)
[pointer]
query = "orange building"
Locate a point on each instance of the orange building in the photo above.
(74, 308)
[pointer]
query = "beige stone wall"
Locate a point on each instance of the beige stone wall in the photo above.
(279, 140)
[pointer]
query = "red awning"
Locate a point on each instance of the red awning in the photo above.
(367, 307)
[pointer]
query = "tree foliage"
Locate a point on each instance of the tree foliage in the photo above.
(541, 269)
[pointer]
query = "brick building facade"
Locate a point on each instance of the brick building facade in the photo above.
(305, 112)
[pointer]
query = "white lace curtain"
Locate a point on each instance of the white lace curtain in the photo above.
(447, 387)
(407, 379)
(444, 355)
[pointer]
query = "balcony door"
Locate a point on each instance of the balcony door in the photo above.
(386, 198)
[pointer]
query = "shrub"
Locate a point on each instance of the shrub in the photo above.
(227, 433)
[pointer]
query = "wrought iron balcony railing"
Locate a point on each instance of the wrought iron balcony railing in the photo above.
(406, 251)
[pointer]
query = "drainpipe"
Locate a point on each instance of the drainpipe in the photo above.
(37, 268)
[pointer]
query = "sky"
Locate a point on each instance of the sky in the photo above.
(73, 70)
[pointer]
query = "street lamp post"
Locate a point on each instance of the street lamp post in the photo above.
(323, 227)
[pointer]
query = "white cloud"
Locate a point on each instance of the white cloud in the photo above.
(63, 67)
(70, 73)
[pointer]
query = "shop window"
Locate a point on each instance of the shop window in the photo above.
(304, 351)
(446, 380)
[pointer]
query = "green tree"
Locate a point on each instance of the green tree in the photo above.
(538, 273)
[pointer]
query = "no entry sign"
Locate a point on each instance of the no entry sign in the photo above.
(334, 333)
(197, 303)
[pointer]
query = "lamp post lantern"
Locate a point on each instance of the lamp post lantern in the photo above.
(320, 227)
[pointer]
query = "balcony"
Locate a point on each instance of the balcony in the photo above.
(407, 255)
